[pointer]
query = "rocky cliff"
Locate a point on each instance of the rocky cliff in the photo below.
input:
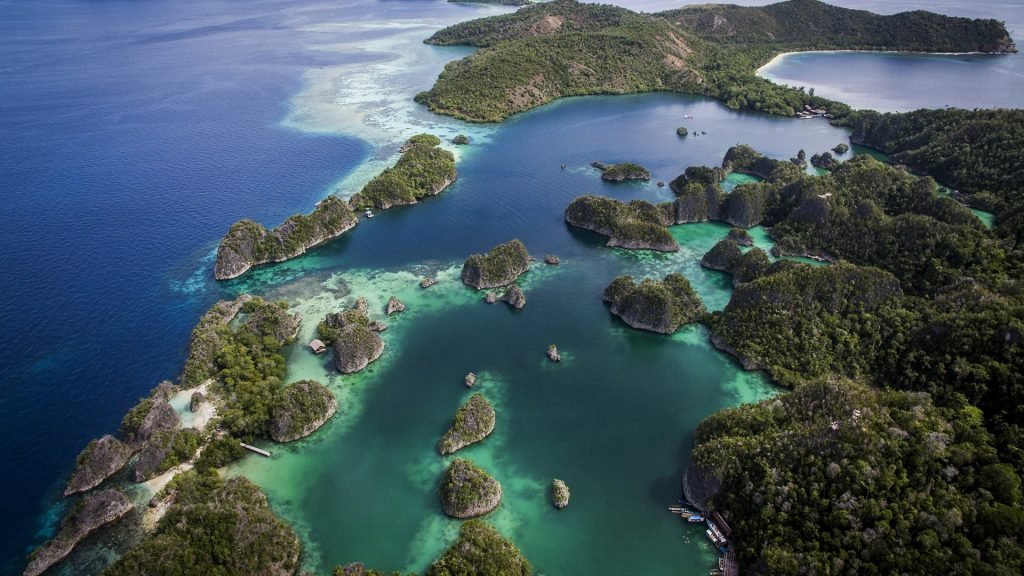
(634, 225)
(499, 267)
(249, 243)
(96, 510)
(473, 422)
(658, 306)
(101, 459)
(468, 491)
(300, 409)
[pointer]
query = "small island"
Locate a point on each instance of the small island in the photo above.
(423, 170)
(841, 148)
(98, 461)
(559, 493)
(301, 409)
(825, 161)
(473, 422)
(514, 297)
(249, 243)
(355, 344)
(480, 549)
(94, 511)
(622, 172)
(499, 267)
(468, 491)
(636, 225)
(658, 306)
(682, 131)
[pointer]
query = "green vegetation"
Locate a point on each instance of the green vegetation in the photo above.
(840, 478)
(251, 368)
(481, 551)
(214, 526)
(461, 140)
(499, 267)
(563, 48)
(659, 306)
(975, 151)
(181, 445)
(559, 493)
(636, 225)
(300, 409)
(841, 148)
(746, 160)
(621, 172)
(473, 422)
(249, 243)
(468, 490)
(682, 131)
(423, 170)
(220, 452)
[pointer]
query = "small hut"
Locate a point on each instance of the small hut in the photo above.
(318, 346)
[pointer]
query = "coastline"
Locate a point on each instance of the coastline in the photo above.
(778, 58)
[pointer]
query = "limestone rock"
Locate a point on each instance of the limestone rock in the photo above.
(552, 260)
(470, 380)
(93, 512)
(473, 422)
(196, 401)
(98, 461)
(499, 267)
(395, 306)
(553, 354)
(514, 297)
(301, 409)
(659, 306)
(559, 493)
(468, 491)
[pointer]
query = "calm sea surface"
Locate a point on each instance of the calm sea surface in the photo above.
(133, 134)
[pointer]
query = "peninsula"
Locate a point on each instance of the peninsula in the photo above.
(565, 48)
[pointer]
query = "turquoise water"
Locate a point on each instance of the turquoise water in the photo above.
(129, 155)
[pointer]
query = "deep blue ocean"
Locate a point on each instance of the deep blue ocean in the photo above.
(133, 133)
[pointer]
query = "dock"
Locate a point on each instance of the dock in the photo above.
(263, 453)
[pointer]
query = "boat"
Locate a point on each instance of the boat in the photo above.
(695, 518)
(368, 213)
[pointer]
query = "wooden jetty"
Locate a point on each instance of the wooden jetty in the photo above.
(263, 453)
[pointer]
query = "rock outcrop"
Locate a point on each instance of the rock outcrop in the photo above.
(356, 347)
(468, 491)
(395, 306)
(559, 493)
(195, 401)
(637, 225)
(553, 354)
(658, 306)
(427, 282)
(98, 461)
(622, 172)
(740, 236)
(470, 380)
(746, 160)
(300, 409)
(499, 267)
(423, 170)
(514, 297)
(206, 340)
(473, 422)
(249, 243)
(825, 161)
(96, 510)
(552, 260)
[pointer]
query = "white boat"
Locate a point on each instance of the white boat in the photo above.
(369, 213)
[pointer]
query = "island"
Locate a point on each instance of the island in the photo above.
(423, 170)
(636, 225)
(480, 549)
(249, 243)
(473, 422)
(468, 490)
(98, 461)
(682, 131)
(656, 305)
(559, 493)
(564, 48)
(355, 345)
(622, 172)
(825, 161)
(303, 407)
(499, 267)
(94, 511)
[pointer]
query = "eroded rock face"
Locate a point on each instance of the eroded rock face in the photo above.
(468, 491)
(100, 460)
(161, 417)
(473, 422)
(740, 236)
(553, 354)
(427, 282)
(249, 243)
(355, 348)
(499, 267)
(636, 225)
(514, 297)
(94, 511)
(658, 306)
(559, 493)
(395, 306)
(552, 260)
(301, 409)
(196, 401)
(470, 380)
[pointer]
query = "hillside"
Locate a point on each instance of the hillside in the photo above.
(564, 48)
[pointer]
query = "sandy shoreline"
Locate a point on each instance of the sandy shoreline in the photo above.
(782, 55)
